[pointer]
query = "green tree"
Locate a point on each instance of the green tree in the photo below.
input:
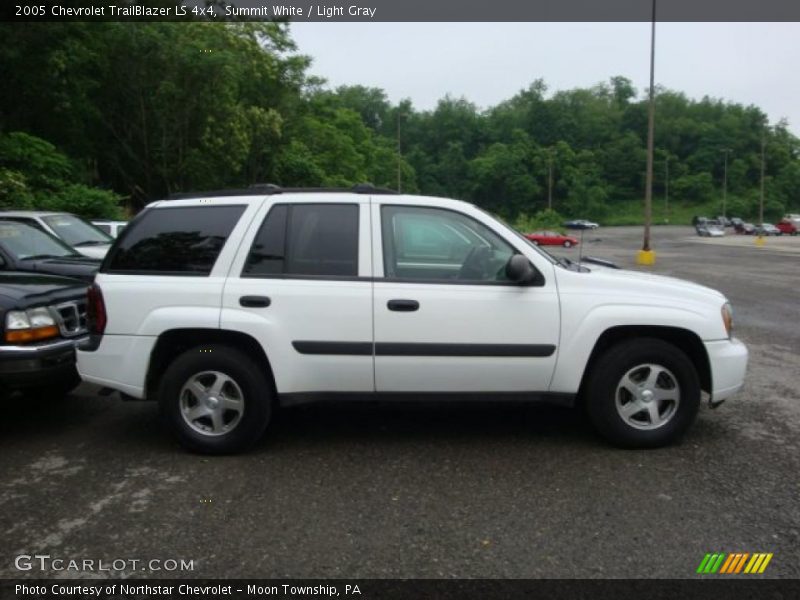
(34, 174)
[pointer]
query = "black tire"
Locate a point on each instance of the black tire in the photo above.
(567, 244)
(253, 384)
(608, 372)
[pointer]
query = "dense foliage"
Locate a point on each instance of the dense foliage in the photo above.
(143, 110)
(34, 175)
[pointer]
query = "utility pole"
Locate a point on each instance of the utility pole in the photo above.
(399, 153)
(646, 256)
(550, 180)
(666, 189)
(763, 168)
(725, 183)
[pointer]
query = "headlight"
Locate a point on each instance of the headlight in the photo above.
(17, 319)
(727, 318)
(30, 325)
(41, 317)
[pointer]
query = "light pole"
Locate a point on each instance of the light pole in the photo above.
(399, 152)
(666, 189)
(763, 168)
(646, 256)
(550, 179)
(725, 183)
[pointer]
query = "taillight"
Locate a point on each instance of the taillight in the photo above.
(96, 310)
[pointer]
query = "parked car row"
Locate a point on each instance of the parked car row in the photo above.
(706, 227)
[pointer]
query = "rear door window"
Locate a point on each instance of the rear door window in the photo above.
(316, 240)
(182, 240)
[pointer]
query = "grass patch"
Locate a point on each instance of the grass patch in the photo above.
(632, 213)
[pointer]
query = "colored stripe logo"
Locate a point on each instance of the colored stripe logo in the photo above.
(734, 563)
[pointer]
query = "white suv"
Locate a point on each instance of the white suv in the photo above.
(223, 305)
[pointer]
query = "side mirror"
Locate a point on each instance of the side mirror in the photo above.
(520, 270)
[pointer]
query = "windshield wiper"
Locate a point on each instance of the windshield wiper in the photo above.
(39, 256)
(571, 265)
(90, 243)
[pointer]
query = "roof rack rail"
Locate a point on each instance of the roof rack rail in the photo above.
(270, 189)
(213, 193)
(368, 188)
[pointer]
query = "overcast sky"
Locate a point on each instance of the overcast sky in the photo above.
(749, 63)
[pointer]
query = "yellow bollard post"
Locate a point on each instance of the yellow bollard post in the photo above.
(646, 257)
(759, 241)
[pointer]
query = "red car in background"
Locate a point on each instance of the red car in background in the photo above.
(786, 227)
(551, 238)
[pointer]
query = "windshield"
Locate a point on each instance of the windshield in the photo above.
(24, 241)
(75, 231)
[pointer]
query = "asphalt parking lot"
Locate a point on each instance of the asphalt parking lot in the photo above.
(436, 491)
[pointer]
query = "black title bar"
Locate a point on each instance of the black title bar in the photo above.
(734, 588)
(401, 10)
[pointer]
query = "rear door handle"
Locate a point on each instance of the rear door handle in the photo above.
(255, 301)
(403, 305)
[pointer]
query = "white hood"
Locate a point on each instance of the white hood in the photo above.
(647, 284)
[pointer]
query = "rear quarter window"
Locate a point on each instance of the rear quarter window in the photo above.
(182, 240)
(306, 240)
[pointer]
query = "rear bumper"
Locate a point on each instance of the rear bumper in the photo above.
(37, 365)
(119, 362)
(728, 360)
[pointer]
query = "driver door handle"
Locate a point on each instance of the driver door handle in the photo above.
(255, 301)
(403, 305)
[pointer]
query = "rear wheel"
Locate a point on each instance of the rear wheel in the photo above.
(215, 399)
(643, 393)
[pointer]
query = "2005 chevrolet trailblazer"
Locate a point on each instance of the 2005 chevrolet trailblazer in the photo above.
(222, 305)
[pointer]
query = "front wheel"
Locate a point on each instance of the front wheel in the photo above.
(215, 399)
(567, 244)
(643, 393)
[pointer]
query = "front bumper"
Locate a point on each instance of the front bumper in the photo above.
(35, 365)
(728, 360)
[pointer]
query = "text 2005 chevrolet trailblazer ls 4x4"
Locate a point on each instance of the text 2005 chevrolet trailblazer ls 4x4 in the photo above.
(224, 305)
